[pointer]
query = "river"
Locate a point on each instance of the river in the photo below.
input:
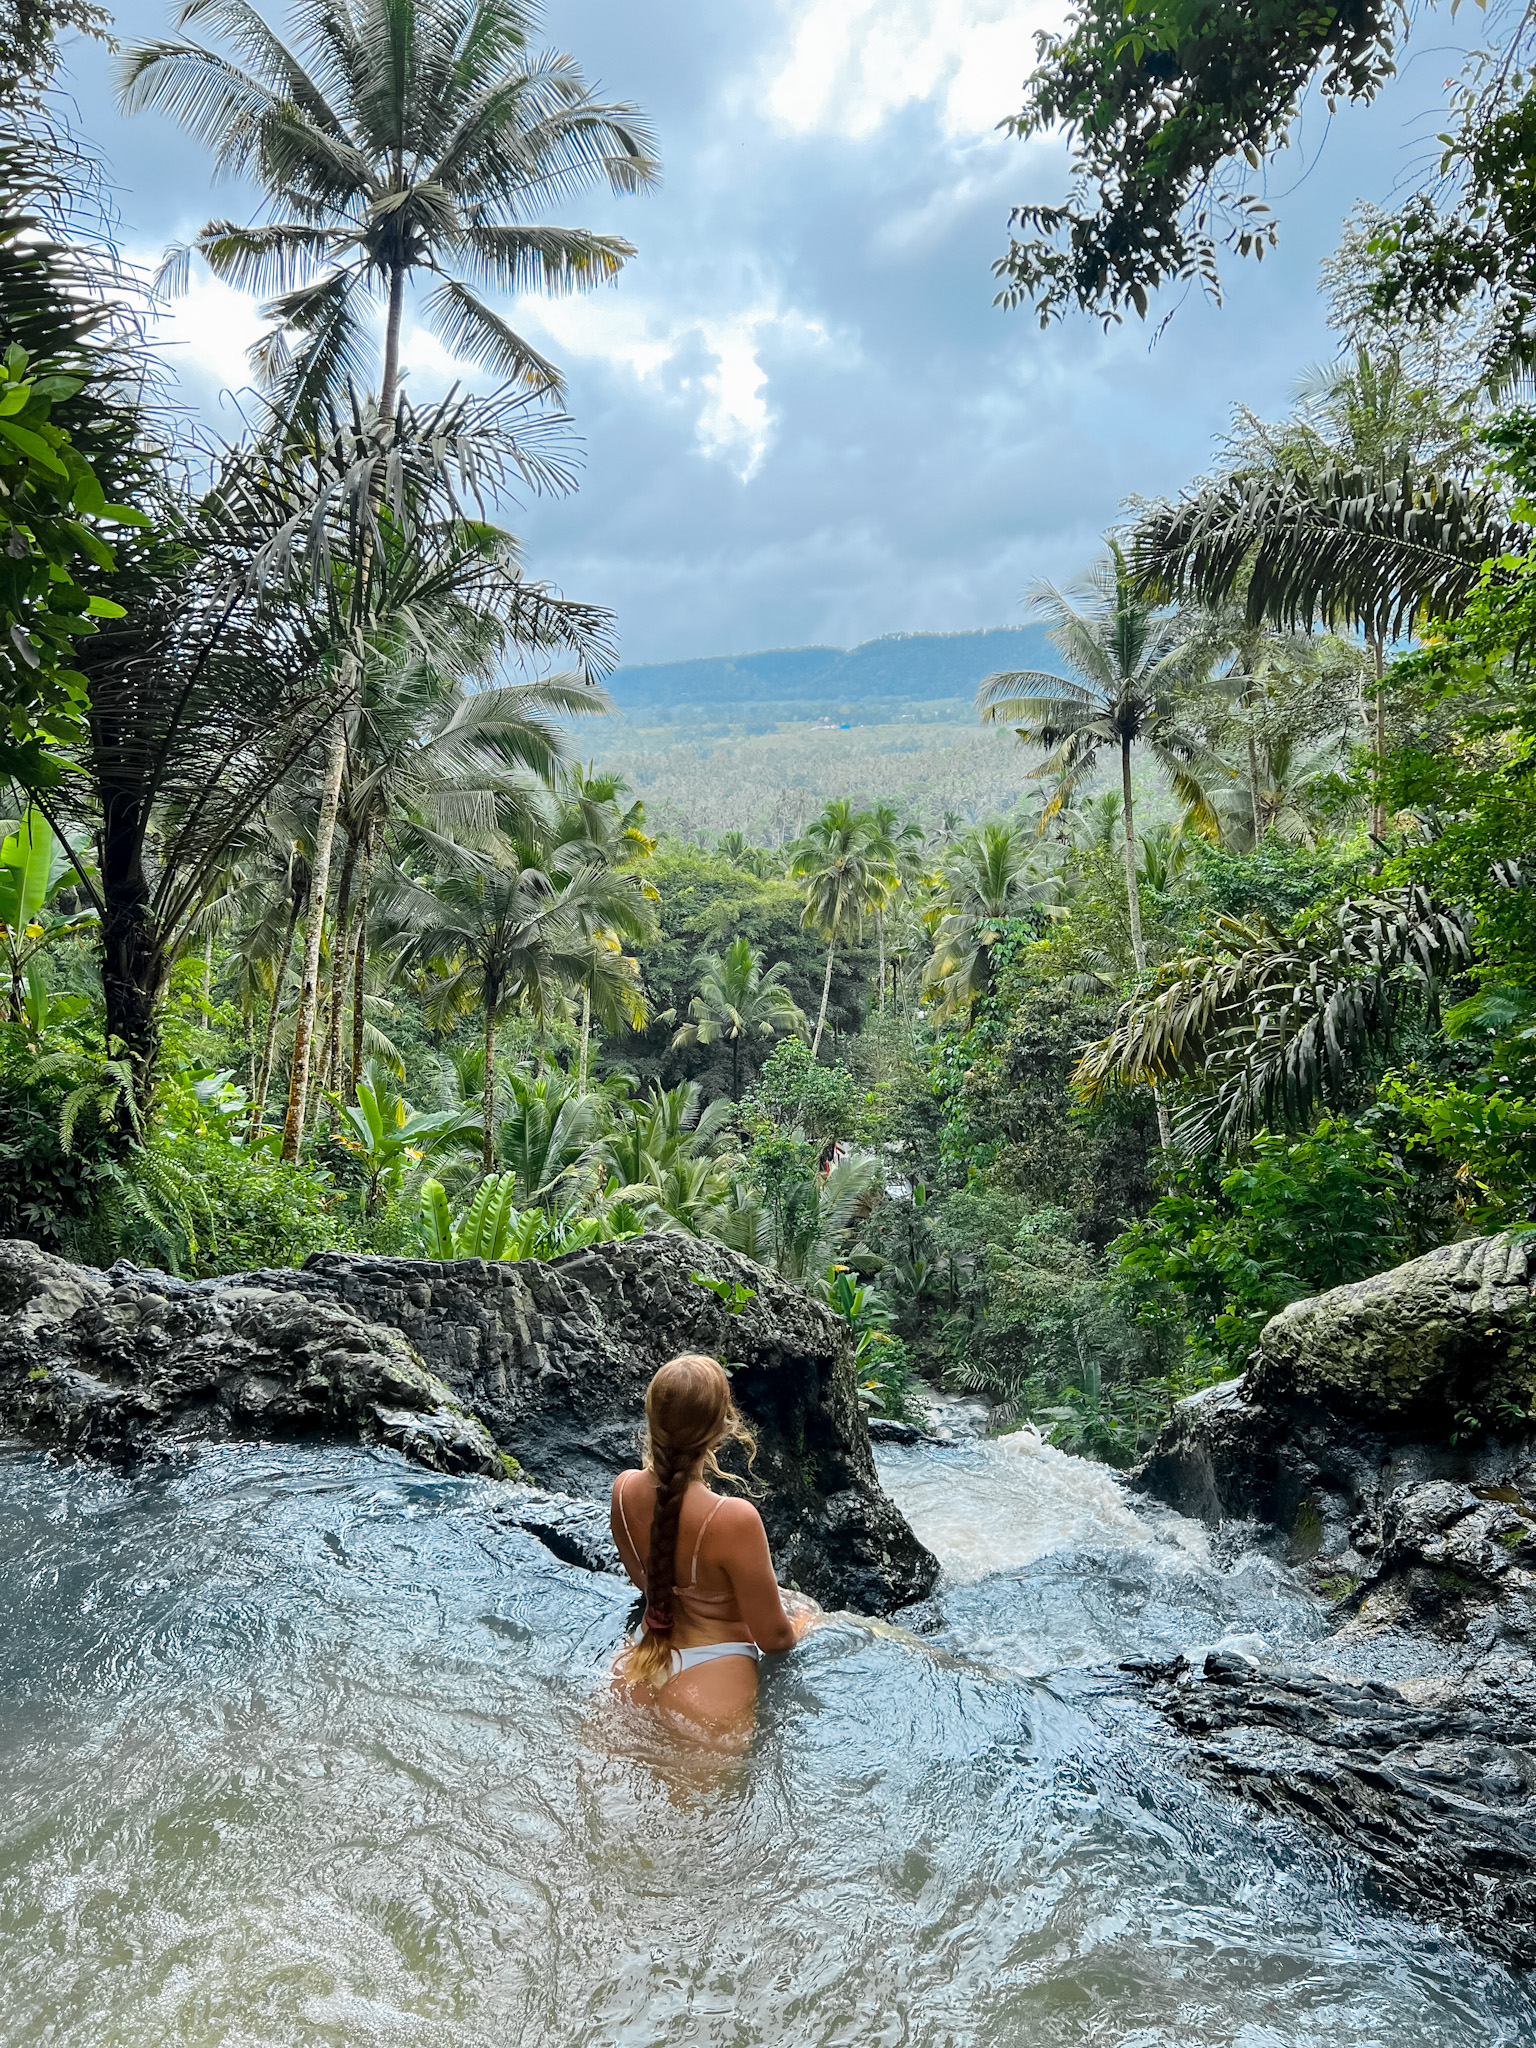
(299, 1748)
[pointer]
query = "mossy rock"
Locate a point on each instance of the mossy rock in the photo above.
(1447, 1333)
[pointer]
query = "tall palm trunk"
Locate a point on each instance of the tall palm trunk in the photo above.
(586, 1031)
(279, 983)
(360, 955)
(341, 960)
(392, 342)
(1379, 740)
(736, 1068)
(880, 938)
(1133, 904)
(309, 988)
(826, 990)
(488, 1102)
(1132, 888)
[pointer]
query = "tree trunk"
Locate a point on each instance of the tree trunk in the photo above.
(1133, 904)
(880, 937)
(586, 1029)
(1253, 790)
(132, 953)
(488, 1106)
(360, 957)
(1379, 741)
(208, 972)
(309, 988)
(392, 342)
(341, 960)
(736, 1068)
(826, 990)
(1132, 888)
(279, 980)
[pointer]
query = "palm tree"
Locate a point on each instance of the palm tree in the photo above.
(739, 1001)
(1364, 511)
(992, 872)
(902, 845)
(591, 828)
(519, 937)
(438, 761)
(845, 875)
(1266, 1025)
(1126, 652)
(392, 140)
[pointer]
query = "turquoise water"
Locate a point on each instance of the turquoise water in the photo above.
(299, 1748)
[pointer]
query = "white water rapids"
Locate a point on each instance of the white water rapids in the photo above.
(300, 1750)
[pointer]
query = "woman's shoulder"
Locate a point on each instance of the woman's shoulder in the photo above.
(733, 1512)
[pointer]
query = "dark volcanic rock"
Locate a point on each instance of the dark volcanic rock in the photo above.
(1432, 1781)
(119, 1364)
(460, 1361)
(1382, 1438)
(1420, 1377)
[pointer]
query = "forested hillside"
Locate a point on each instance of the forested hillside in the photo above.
(876, 682)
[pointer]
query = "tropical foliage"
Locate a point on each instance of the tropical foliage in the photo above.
(314, 933)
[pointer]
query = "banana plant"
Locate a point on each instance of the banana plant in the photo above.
(388, 1133)
(33, 867)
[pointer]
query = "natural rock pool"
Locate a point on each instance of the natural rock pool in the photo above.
(300, 1747)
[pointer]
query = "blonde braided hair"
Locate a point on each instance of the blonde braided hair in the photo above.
(689, 1414)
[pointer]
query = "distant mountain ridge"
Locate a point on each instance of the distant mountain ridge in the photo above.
(800, 682)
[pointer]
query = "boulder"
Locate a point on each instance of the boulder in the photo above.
(1382, 1439)
(1419, 1377)
(468, 1366)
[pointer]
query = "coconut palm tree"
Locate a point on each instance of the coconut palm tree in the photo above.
(1363, 511)
(902, 844)
(1127, 655)
(394, 141)
(440, 761)
(992, 872)
(519, 936)
(593, 827)
(739, 1001)
(846, 877)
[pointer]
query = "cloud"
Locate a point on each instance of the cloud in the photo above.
(705, 364)
(207, 330)
(851, 64)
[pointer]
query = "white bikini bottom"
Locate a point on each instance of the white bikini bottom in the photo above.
(706, 1653)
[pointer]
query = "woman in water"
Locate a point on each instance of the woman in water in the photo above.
(713, 1604)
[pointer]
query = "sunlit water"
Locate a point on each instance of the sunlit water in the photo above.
(298, 1747)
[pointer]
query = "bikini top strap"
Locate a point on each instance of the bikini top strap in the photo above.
(628, 1533)
(693, 1575)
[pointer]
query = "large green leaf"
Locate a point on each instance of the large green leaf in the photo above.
(26, 869)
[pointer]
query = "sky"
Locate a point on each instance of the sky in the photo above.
(802, 419)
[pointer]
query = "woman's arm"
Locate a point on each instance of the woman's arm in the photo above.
(621, 1537)
(745, 1559)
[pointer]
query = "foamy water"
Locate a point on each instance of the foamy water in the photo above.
(991, 1506)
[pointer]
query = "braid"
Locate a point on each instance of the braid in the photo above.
(689, 1412)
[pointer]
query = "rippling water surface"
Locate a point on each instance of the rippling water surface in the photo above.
(298, 1747)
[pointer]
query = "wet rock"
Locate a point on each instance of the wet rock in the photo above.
(463, 1364)
(576, 1531)
(1431, 1781)
(126, 1364)
(1382, 1441)
(1365, 1413)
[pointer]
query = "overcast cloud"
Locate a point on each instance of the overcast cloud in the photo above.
(803, 418)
